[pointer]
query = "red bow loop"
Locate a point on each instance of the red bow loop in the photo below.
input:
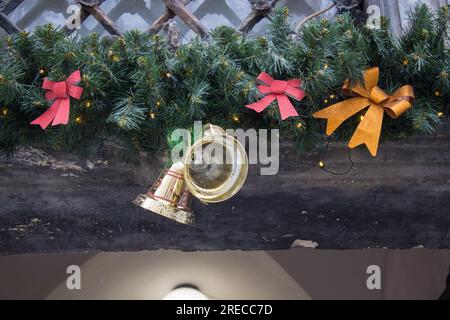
(59, 93)
(280, 90)
(265, 79)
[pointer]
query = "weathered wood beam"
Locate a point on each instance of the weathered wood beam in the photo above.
(178, 8)
(7, 24)
(93, 8)
(9, 6)
(260, 9)
(159, 23)
(50, 202)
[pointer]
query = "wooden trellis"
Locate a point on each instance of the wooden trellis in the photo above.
(6, 7)
(260, 9)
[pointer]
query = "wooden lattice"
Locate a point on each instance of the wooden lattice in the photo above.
(174, 8)
(260, 9)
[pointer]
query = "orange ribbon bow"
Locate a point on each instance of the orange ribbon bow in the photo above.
(367, 95)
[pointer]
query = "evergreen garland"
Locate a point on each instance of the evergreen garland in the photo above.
(137, 88)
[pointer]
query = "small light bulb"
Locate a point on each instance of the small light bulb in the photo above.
(332, 97)
(321, 164)
(152, 115)
(440, 114)
(41, 71)
(158, 103)
(88, 103)
(235, 118)
(299, 125)
(168, 75)
(361, 118)
(4, 111)
(437, 93)
(326, 101)
(79, 120)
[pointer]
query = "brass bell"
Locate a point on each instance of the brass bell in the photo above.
(169, 196)
(211, 177)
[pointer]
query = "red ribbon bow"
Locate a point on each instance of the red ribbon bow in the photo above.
(280, 90)
(60, 93)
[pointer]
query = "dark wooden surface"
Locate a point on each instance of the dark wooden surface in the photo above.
(399, 200)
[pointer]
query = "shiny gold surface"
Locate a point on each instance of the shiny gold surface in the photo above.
(165, 210)
(214, 169)
(169, 196)
(214, 180)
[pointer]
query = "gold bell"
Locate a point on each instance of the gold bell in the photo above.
(169, 196)
(215, 177)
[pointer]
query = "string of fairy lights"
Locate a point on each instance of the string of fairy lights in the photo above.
(321, 164)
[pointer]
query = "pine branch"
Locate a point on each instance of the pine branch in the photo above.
(137, 89)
